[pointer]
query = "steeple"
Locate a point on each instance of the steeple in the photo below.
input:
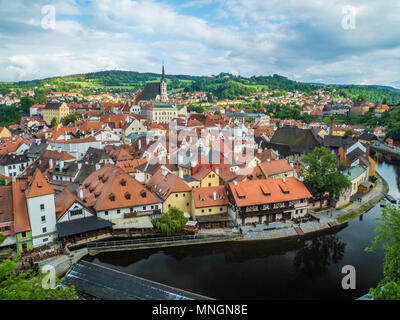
(163, 73)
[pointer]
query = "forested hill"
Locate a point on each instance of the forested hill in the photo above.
(223, 86)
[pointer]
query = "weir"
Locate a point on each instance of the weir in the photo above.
(109, 284)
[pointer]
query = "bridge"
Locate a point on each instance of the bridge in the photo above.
(109, 284)
(378, 146)
(171, 241)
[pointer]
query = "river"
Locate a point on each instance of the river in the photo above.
(291, 269)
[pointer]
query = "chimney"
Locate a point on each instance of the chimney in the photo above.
(215, 196)
(180, 173)
(80, 192)
(367, 151)
(51, 163)
(97, 166)
(59, 149)
(79, 166)
(217, 171)
(234, 182)
(283, 179)
(61, 164)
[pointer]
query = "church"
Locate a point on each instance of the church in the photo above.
(155, 91)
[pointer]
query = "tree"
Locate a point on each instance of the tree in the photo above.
(388, 236)
(28, 285)
(322, 175)
(348, 134)
(70, 118)
(53, 122)
(171, 222)
(217, 112)
(25, 103)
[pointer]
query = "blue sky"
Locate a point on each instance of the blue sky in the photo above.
(301, 39)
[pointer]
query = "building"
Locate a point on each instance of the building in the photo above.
(114, 194)
(174, 191)
(268, 200)
(160, 112)
(276, 169)
(210, 207)
(4, 133)
(55, 111)
(41, 210)
(12, 165)
(155, 91)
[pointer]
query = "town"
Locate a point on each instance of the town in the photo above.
(76, 172)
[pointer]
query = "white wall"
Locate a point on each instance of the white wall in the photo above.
(35, 214)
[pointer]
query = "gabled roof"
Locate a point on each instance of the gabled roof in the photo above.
(6, 204)
(21, 217)
(275, 167)
(164, 185)
(204, 197)
(38, 186)
(258, 192)
(64, 200)
(111, 188)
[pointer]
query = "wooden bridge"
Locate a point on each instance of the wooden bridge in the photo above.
(109, 284)
(120, 245)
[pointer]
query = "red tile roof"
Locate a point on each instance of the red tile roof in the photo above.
(38, 186)
(257, 192)
(204, 197)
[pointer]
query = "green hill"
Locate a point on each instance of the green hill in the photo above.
(223, 86)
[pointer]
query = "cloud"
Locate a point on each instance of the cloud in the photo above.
(302, 39)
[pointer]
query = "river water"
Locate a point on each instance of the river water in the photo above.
(290, 269)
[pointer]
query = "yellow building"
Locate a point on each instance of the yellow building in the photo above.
(172, 190)
(207, 177)
(210, 207)
(55, 111)
(4, 132)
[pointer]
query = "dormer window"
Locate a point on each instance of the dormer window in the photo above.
(127, 196)
(123, 182)
(111, 197)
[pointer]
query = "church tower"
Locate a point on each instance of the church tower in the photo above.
(163, 87)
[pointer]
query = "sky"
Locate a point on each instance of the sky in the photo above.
(324, 41)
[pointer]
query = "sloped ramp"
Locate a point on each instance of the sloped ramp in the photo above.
(108, 284)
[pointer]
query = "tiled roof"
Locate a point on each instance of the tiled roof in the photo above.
(6, 204)
(204, 197)
(38, 186)
(275, 167)
(111, 188)
(257, 192)
(64, 200)
(163, 186)
(21, 217)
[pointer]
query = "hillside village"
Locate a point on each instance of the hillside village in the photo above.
(116, 166)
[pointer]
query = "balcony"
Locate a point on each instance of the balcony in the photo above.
(254, 213)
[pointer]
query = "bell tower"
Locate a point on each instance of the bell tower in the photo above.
(163, 86)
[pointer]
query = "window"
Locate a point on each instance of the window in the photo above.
(209, 184)
(45, 239)
(106, 213)
(176, 195)
(44, 230)
(169, 206)
(43, 218)
(118, 211)
(144, 208)
(220, 209)
(187, 203)
(202, 210)
(42, 206)
(209, 210)
(23, 234)
(76, 212)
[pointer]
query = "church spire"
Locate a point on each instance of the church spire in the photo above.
(163, 72)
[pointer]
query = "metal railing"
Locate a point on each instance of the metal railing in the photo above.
(152, 241)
